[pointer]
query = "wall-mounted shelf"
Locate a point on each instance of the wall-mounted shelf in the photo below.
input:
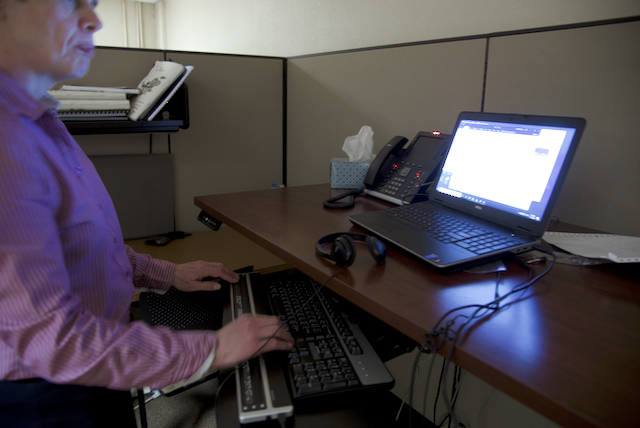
(123, 126)
(173, 117)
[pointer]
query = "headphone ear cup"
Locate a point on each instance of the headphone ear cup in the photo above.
(377, 249)
(343, 251)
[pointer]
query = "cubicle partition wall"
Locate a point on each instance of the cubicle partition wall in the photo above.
(589, 71)
(240, 137)
(235, 137)
(234, 141)
(395, 91)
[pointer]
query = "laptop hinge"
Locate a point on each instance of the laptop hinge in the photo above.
(525, 231)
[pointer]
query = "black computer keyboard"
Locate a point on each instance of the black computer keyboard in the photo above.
(331, 354)
(261, 387)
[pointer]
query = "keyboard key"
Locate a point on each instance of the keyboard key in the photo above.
(308, 388)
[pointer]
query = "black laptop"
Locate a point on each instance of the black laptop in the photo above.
(495, 193)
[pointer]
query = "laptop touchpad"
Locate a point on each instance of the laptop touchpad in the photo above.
(389, 227)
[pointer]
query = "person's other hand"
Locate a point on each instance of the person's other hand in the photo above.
(247, 337)
(190, 276)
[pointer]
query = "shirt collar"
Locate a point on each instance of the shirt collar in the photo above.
(18, 100)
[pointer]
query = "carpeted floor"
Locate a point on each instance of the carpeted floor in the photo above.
(193, 408)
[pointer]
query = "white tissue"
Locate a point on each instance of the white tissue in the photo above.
(360, 147)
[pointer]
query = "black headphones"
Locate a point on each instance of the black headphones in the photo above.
(343, 247)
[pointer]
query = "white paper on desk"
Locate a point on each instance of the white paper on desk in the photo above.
(619, 248)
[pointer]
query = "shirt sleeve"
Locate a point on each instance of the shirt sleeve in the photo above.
(150, 274)
(60, 319)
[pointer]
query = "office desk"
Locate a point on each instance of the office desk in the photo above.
(225, 246)
(570, 350)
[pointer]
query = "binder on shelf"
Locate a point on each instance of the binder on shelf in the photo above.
(90, 105)
(157, 88)
(61, 94)
(97, 115)
(112, 89)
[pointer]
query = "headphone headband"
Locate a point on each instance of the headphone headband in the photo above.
(333, 236)
(343, 249)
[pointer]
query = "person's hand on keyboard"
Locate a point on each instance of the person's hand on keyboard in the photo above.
(249, 336)
(197, 276)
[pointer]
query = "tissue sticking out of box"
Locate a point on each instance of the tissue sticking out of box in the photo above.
(359, 147)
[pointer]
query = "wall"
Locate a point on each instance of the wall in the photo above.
(130, 24)
(236, 107)
(588, 72)
(299, 27)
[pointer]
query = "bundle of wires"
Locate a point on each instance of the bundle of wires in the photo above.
(447, 330)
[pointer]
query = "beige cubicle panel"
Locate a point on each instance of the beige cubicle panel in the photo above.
(235, 138)
(590, 72)
(234, 141)
(395, 91)
(140, 185)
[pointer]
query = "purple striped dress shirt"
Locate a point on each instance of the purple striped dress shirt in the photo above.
(66, 276)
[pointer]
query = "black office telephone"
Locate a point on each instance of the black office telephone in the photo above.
(402, 171)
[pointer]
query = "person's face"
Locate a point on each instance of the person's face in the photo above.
(49, 39)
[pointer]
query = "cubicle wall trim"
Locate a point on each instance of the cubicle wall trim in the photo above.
(167, 52)
(475, 36)
(485, 71)
(285, 121)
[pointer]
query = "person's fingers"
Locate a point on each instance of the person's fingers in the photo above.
(249, 336)
(201, 275)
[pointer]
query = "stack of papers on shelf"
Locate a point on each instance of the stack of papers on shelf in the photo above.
(93, 103)
(618, 248)
(143, 102)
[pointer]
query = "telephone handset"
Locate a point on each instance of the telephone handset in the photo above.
(402, 170)
(393, 146)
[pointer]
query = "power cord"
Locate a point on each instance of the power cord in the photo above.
(332, 202)
(415, 375)
(445, 332)
(156, 393)
(483, 406)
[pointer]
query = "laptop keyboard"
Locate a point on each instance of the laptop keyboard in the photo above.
(451, 230)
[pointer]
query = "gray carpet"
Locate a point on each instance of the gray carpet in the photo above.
(194, 407)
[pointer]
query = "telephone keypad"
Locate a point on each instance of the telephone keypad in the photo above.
(402, 180)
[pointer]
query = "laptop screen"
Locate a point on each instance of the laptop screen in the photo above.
(512, 167)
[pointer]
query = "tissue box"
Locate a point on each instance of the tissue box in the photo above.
(347, 175)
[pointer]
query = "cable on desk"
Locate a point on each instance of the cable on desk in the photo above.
(446, 332)
(414, 375)
(483, 406)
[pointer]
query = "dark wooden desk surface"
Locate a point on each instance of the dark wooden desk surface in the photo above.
(570, 350)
